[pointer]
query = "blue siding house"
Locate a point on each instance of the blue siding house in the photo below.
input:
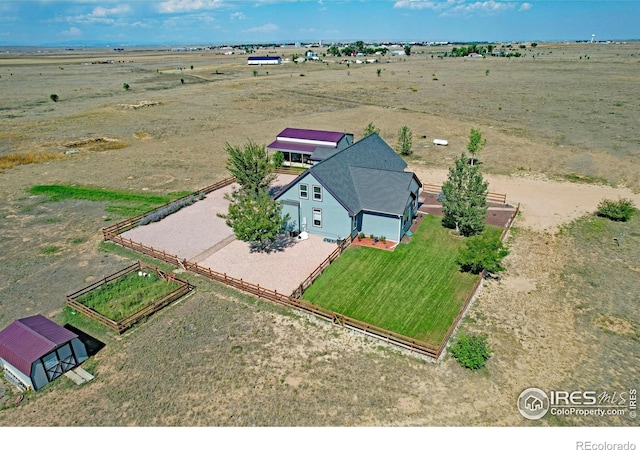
(361, 188)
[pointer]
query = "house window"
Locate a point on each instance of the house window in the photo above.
(317, 217)
(303, 191)
(317, 193)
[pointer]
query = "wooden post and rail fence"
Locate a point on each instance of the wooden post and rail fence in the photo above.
(120, 326)
(491, 196)
(112, 233)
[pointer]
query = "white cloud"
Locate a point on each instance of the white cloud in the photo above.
(178, 6)
(104, 12)
(267, 28)
(237, 16)
(72, 32)
(101, 15)
(461, 7)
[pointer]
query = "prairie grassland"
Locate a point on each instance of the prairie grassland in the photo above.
(560, 316)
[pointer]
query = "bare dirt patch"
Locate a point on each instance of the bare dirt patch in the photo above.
(545, 204)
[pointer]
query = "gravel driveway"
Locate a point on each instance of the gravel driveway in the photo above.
(197, 234)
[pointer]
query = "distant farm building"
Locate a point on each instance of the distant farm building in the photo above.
(260, 60)
(35, 351)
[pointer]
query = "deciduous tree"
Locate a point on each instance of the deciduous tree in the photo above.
(250, 165)
(254, 218)
(405, 138)
(482, 252)
(476, 143)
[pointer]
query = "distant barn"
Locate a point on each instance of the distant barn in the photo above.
(35, 351)
(260, 60)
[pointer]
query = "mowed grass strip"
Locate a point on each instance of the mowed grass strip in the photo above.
(120, 202)
(417, 290)
(126, 295)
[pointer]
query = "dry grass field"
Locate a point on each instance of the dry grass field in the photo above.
(561, 317)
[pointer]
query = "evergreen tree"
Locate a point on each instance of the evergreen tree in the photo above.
(370, 129)
(464, 203)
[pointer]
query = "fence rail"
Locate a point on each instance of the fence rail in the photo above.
(289, 170)
(294, 300)
(133, 222)
(491, 196)
(120, 326)
(297, 293)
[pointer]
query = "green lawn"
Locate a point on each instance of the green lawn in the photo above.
(119, 202)
(416, 290)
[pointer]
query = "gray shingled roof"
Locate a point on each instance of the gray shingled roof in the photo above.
(383, 191)
(367, 175)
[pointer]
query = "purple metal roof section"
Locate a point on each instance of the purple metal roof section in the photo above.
(294, 147)
(311, 135)
(263, 58)
(26, 340)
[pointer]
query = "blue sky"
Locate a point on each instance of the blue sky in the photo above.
(204, 22)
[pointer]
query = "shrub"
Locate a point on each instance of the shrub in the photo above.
(471, 350)
(383, 239)
(620, 211)
(169, 209)
(278, 159)
(360, 236)
(125, 86)
(482, 253)
(54, 97)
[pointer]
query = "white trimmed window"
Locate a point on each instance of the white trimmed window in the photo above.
(317, 193)
(317, 217)
(303, 191)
